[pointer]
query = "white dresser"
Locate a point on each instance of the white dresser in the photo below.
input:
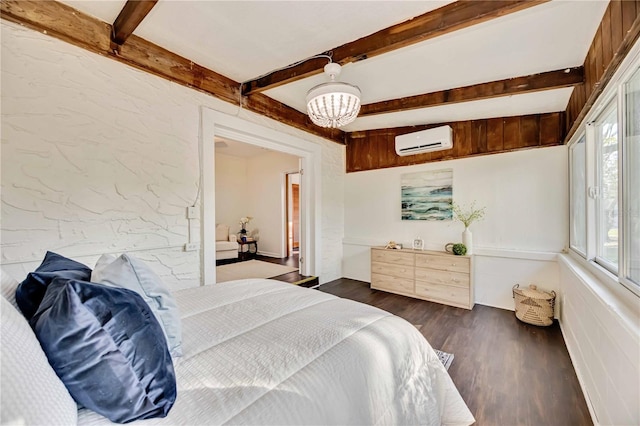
(429, 275)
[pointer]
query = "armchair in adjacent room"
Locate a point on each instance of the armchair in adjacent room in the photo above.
(226, 244)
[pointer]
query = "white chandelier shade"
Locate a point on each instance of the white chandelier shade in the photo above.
(333, 104)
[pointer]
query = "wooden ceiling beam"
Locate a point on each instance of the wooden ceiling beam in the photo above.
(131, 15)
(60, 21)
(531, 83)
(70, 25)
(452, 17)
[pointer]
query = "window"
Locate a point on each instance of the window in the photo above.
(607, 188)
(604, 180)
(631, 188)
(578, 233)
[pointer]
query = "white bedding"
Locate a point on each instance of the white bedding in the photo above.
(265, 352)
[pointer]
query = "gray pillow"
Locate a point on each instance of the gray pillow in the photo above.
(129, 272)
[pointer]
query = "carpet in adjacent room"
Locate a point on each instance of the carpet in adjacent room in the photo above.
(250, 269)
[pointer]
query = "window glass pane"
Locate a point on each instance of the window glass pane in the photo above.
(607, 205)
(578, 234)
(632, 179)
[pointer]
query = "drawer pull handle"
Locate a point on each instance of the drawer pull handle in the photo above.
(453, 264)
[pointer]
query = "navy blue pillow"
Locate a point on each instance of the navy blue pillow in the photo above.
(108, 349)
(30, 292)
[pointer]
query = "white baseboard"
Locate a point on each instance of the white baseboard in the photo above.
(269, 254)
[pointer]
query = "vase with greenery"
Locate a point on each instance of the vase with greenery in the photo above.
(467, 215)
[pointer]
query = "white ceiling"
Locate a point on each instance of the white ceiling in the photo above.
(239, 149)
(245, 39)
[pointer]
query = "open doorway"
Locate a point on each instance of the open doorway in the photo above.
(293, 213)
(249, 185)
(216, 124)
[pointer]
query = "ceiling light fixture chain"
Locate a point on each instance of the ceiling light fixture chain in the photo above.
(328, 55)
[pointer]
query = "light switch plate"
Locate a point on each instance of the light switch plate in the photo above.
(191, 246)
(192, 212)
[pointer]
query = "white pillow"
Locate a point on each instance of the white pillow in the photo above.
(32, 393)
(8, 286)
(129, 272)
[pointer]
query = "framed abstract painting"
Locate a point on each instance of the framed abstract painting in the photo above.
(427, 195)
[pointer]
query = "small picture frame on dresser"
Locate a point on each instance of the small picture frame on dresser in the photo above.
(418, 243)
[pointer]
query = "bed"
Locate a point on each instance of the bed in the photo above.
(260, 351)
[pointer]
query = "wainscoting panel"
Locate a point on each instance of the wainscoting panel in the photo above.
(495, 271)
(603, 338)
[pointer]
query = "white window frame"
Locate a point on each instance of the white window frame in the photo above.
(597, 165)
(623, 175)
(571, 197)
(618, 282)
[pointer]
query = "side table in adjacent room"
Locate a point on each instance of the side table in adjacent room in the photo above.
(251, 251)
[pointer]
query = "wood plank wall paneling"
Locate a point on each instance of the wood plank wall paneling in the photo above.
(511, 133)
(617, 34)
(479, 129)
(375, 149)
(495, 135)
(530, 131)
(618, 31)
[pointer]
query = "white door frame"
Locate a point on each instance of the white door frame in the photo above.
(214, 123)
(287, 186)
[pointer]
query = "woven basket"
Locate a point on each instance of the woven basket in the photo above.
(534, 306)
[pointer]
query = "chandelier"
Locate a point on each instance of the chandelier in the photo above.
(333, 104)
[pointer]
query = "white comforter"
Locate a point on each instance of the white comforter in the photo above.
(266, 352)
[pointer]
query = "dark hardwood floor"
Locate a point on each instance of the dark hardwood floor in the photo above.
(508, 372)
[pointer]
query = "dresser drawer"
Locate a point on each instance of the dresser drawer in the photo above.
(389, 269)
(392, 256)
(444, 263)
(393, 284)
(452, 295)
(436, 276)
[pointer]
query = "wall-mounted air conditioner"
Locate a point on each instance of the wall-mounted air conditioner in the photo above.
(429, 140)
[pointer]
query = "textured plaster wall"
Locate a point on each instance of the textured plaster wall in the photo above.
(332, 215)
(99, 157)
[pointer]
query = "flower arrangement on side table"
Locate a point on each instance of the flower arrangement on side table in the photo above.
(467, 216)
(243, 227)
